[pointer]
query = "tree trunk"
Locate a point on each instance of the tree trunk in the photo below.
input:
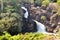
(1, 5)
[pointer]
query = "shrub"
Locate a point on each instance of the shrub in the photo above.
(39, 2)
(45, 2)
(11, 17)
(27, 36)
(58, 2)
(10, 22)
(43, 17)
(9, 9)
(59, 11)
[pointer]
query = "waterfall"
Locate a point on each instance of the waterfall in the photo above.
(26, 13)
(40, 27)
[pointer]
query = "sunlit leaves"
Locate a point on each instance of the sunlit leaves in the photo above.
(58, 2)
(28, 36)
(59, 11)
(43, 17)
(45, 2)
(9, 19)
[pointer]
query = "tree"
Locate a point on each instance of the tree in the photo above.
(1, 5)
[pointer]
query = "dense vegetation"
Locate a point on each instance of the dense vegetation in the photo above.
(29, 36)
(11, 19)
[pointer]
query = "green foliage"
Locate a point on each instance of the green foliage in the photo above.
(43, 17)
(59, 11)
(38, 2)
(45, 2)
(53, 0)
(5, 37)
(9, 9)
(11, 16)
(30, 1)
(58, 2)
(10, 19)
(59, 33)
(27, 36)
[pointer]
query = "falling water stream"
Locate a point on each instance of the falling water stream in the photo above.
(26, 13)
(40, 27)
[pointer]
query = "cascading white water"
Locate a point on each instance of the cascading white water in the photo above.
(26, 13)
(40, 27)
